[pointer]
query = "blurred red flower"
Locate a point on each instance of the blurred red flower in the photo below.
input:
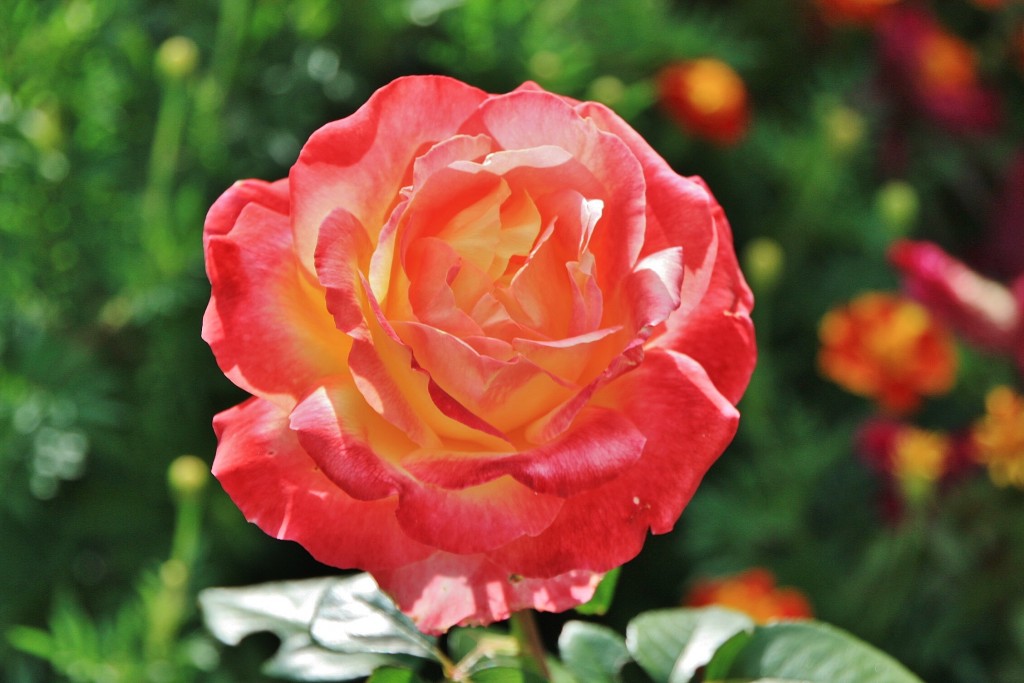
(754, 593)
(888, 348)
(853, 11)
(707, 98)
(934, 73)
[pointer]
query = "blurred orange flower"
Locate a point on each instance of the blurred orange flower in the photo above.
(707, 98)
(888, 348)
(853, 11)
(754, 593)
(999, 437)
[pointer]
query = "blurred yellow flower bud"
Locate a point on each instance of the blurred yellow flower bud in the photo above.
(187, 475)
(41, 127)
(763, 260)
(898, 205)
(177, 57)
(844, 128)
(607, 90)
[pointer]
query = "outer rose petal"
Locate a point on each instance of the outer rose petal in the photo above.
(446, 590)
(280, 489)
(719, 333)
(679, 210)
(266, 322)
(223, 214)
(360, 162)
(687, 424)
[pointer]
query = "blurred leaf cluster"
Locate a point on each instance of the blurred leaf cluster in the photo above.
(122, 120)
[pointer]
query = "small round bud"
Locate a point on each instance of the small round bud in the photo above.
(177, 57)
(763, 260)
(187, 475)
(898, 205)
(607, 90)
(844, 128)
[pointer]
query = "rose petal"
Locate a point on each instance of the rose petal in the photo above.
(266, 322)
(510, 394)
(342, 252)
(687, 424)
(446, 590)
(526, 119)
(679, 210)
(353, 445)
(388, 368)
(223, 215)
(280, 489)
(360, 162)
(599, 445)
(719, 333)
(476, 518)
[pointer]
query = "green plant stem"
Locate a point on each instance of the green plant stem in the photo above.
(157, 202)
(524, 630)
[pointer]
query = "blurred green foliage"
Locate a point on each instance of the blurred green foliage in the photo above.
(114, 141)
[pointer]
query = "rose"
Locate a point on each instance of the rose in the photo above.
(492, 340)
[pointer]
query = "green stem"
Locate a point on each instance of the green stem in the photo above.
(157, 201)
(524, 630)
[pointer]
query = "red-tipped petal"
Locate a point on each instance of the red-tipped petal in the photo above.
(359, 163)
(458, 590)
(687, 424)
(279, 488)
(266, 322)
(718, 333)
(476, 518)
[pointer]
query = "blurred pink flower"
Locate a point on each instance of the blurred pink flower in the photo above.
(932, 72)
(981, 310)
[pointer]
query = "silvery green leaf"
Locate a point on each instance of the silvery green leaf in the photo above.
(333, 628)
(670, 645)
(355, 616)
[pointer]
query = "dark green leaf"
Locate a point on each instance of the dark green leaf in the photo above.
(602, 599)
(671, 645)
(390, 674)
(812, 652)
(506, 674)
(593, 653)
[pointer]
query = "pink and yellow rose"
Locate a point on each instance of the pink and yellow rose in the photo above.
(492, 341)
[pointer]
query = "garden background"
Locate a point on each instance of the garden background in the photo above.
(121, 121)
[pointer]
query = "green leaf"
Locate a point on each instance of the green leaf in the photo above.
(330, 629)
(602, 599)
(32, 641)
(592, 653)
(390, 674)
(506, 674)
(812, 652)
(670, 645)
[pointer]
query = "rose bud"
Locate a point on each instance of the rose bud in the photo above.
(492, 342)
(707, 98)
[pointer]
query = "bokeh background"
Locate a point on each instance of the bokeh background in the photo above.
(827, 129)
